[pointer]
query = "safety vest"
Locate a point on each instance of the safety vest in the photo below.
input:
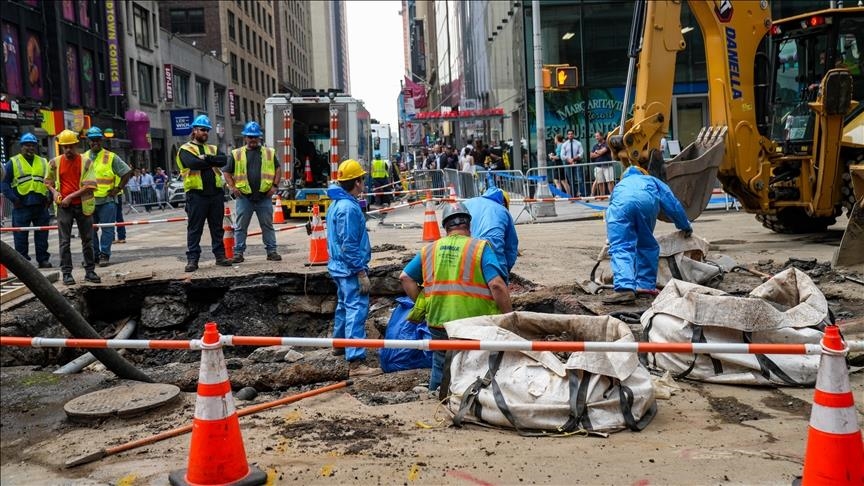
(192, 178)
(268, 169)
(88, 202)
(453, 282)
(103, 170)
(379, 169)
(27, 178)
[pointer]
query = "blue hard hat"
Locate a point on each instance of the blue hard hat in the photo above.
(252, 129)
(201, 121)
(28, 138)
(377, 155)
(94, 132)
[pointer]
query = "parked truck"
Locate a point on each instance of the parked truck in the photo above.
(312, 133)
(381, 139)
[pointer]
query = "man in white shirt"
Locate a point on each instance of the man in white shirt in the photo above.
(571, 153)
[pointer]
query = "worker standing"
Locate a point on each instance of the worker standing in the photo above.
(461, 278)
(380, 178)
(72, 183)
(200, 165)
(491, 221)
(630, 219)
(350, 251)
(24, 187)
(252, 176)
(111, 174)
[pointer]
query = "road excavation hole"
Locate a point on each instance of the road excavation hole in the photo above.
(348, 435)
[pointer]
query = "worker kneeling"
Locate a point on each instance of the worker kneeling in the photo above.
(491, 221)
(461, 278)
(630, 219)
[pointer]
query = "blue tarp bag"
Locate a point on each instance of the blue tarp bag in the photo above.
(399, 328)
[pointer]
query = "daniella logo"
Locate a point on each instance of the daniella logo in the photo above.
(723, 9)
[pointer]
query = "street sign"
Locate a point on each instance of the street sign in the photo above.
(566, 78)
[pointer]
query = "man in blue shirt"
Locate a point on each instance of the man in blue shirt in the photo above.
(24, 187)
(491, 221)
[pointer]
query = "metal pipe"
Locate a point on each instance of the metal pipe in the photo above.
(78, 364)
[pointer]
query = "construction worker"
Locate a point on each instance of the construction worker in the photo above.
(253, 175)
(111, 174)
(199, 166)
(350, 251)
(72, 183)
(380, 177)
(24, 187)
(461, 277)
(491, 221)
(630, 219)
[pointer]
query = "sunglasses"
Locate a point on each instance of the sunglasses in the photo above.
(205, 130)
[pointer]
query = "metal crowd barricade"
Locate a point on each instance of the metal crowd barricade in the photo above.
(5, 211)
(462, 182)
(578, 186)
(146, 197)
(433, 180)
(512, 181)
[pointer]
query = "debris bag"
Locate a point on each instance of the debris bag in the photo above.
(540, 392)
(787, 309)
(680, 258)
(395, 359)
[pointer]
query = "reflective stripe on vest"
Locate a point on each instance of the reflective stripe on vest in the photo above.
(103, 170)
(88, 202)
(379, 169)
(28, 178)
(268, 170)
(192, 178)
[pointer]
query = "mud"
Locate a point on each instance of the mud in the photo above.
(345, 435)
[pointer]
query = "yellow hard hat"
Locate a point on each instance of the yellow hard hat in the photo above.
(350, 169)
(67, 137)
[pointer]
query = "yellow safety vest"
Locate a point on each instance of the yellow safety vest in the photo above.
(103, 170)
(27, 178)
(192, 178)
(88, 202)
(268, 169)
(379, 169)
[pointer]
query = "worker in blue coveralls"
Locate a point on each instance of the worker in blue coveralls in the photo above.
(491, 221)
(350, 252)
(630, 219)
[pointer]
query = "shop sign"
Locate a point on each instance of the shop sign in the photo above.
(181, 122)
(113, 48)
(169, 82)
(231, 102)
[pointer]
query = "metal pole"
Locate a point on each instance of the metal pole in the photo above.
(546, 209)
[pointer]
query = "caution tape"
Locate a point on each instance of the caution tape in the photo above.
(409, 191)
(98, 225)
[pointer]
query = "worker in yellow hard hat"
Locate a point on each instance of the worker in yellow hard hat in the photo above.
(350, 251)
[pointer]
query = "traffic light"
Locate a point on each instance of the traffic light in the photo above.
(547, 79)
(566, 78)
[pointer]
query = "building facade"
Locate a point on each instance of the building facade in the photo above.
(330, 65)
(294, 42)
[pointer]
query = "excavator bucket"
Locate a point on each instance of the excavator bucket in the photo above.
(692, 174)
(851, 250)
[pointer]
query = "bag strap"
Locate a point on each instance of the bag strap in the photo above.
(767, 366)
(471, 393)
(673, 267)
(699, 337)
(625, 398)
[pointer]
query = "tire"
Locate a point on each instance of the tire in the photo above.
(794, 221)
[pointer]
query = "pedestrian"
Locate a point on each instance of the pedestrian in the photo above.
(134, 188)
(571, 154)
(558, 176)
(461, 278)
(604, 173)
(350, 251)
(199, 165)
(630, 220)
(160, 179)
(148, 194)
(24, 187)
(380, 178)
(111, 174)
(491, 221)
(253, 175)
(72, 183)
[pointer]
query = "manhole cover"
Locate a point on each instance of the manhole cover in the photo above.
(125, 400)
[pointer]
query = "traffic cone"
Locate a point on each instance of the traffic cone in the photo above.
(3, 274)
(430, 221)
(228, 239)
(307, 171)
(278, 215)
(453, 195)
(216, 452)
(835, 454)
(318, 244)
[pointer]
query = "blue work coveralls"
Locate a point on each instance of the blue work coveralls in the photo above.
(492, 222)
(350, 252)
(630, 221)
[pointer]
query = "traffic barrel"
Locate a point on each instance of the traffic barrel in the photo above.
(430, 221)
(318, 244)
(228, 238)
(216, 452)
(278, 215)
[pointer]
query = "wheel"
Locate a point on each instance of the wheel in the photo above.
(793, 221)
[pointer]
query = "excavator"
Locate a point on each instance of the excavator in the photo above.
(786, 129)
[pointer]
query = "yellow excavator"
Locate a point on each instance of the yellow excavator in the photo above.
(786, 132)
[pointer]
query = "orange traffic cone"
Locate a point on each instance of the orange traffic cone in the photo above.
(228, 239)
(453, 195)
(278, 215)
(835, 454)
(308, 172)
(216, 452)
(430, 221)
(3, 274)
(318, 244)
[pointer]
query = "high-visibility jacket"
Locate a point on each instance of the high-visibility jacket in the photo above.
(192, 178)
(27, 177)
(453, 282)
(268, 169)
(88, 201)
(379, 169)
(103, 170)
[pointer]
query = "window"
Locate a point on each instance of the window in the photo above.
(220, 101)
(249, 73)
(231, 25)
(187, 20)
(242, 72)
(201, 88)
(248, 38)
(233, 67)
(245, 110)
(240, 32)
(181, 88)
(142, 26)
(145, 83)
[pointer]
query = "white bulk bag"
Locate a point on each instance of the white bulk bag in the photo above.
(536, 392)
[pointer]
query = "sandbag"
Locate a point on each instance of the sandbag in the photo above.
(787, 309)
(398, 327)
(539, 393)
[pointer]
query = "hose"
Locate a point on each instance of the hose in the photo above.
(79, 363)
(64, 312)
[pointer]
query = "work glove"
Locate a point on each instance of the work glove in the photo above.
(308, 227)
(365, 284)
(688, 233)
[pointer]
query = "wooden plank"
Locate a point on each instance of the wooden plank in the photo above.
(12, 290)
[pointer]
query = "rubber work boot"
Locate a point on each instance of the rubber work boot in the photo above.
(274, 257)
(191, 266)
(358, 368)
(103, 260)
(91, 276)
(620, 297)
(67, 279)
(238, 258)
(223, 262)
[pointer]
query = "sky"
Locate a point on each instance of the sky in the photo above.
(376, 56)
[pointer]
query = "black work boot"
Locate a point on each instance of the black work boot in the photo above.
(223, 262)
(91, 276)
(274, 257)
(191, 266)
(67, 279)
(103, 260)
(238, 258)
